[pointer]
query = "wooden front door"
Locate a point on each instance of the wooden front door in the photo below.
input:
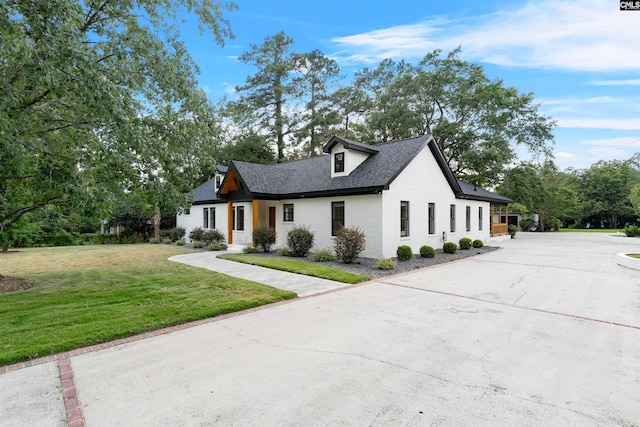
(272, 218)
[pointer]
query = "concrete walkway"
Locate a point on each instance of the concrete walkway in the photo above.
(301, 285)
(544, 332)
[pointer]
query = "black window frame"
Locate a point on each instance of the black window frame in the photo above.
(287, 215)
(468, 218)
(205, 218)
(431, 213)
(336, 222)
(338, 165)
(240, 218)
(452, 218)
(404, 220)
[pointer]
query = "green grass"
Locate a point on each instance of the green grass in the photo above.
(634, 255)
(297, 266)
(92, 294)
(590, 230)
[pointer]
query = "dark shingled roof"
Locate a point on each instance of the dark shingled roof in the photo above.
(349, 144)
(312, 177)
(205, 193)
(475, 192)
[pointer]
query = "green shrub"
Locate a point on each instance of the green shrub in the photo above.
(176, 234)
(385, 264)
(527, 224)
(211, 236)
(322, 255)
(197, 244)
(300, 241)
(513, 229)
(465, 243)
(404, 253)
(427, 251)
(477, 243)
(180, 242)
(196, 234)
(282, 252)
(167, 241)
(217, 246)
(152, 240)
(553, 224)
(632, 231)
(450, 247)
(350, 242)
(249, 250)
(264, 237)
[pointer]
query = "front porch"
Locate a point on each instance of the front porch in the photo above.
(499, 220)
(256, 213)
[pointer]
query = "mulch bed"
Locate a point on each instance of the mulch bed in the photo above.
(364, 266)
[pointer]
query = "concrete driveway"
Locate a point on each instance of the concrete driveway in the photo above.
(544, 332)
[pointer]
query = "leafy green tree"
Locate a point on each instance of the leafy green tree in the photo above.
(251, 148)
(477, 122)
(315, 76)
(269, 90)
(77, 81)
(604, 191)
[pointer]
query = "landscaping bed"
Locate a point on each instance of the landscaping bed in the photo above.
(364, 266)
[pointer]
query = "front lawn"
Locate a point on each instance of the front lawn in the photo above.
(59, 299)
(591, 230)
(296, 266)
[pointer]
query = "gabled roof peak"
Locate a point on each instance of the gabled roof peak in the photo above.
(350, 145)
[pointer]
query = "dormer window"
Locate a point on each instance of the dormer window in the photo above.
(338, 163)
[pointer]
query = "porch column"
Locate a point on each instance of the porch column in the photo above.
(254, 209)
(230, 222)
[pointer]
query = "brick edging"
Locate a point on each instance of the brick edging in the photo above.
(75, 417)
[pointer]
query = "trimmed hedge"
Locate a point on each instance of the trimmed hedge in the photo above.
(450, 247)
(404, 253)
(264, 237)
(427, 252)
(300, 241)
(477, 243)
(465, 243)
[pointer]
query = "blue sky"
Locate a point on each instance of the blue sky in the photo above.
(581, 59)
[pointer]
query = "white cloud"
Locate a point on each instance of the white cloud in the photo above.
(588, 35)
(628, 82)
(607, 153)
(615, 124)
(206, 89)
(626, 141)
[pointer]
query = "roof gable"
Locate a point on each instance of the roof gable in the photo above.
(349, 145)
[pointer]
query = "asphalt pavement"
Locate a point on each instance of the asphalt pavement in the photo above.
(545, 331)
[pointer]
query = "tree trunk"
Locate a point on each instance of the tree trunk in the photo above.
(5, 247)
(156, 223)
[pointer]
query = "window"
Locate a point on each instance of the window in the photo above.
(468, 218)
(338, 163)
(187, 211)
(233, 218)
(218, 181)
(287, 212)
(452, 218)
(404, 219)
(212, 217)
(205, 218)
(480, 218)
(337, 217)
(432, 218)
(240, 219)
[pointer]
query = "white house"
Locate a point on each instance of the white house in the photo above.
(398, 193)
